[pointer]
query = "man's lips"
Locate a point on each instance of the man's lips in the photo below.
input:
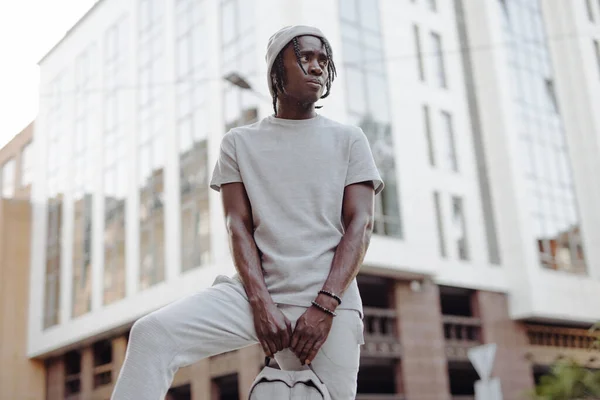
(315, 82)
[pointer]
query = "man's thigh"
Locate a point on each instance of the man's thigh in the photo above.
(337, 363)
(212, 321)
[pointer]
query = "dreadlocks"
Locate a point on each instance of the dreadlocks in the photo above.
(278, 74)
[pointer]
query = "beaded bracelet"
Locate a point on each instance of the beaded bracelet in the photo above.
(330, 294)
(324, 309)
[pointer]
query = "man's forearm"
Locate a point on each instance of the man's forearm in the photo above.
(348, 257)
(247, 262)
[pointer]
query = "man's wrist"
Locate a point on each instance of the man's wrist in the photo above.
(259, 298)
(327, 301)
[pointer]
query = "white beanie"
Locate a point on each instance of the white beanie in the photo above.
(280, 39)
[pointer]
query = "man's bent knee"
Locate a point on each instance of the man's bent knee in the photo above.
(149, 338)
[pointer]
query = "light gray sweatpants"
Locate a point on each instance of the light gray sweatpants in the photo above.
(217, 320)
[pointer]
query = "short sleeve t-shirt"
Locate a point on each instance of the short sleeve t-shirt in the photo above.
(295, 172)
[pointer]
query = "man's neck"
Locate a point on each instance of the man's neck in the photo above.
(295, 110)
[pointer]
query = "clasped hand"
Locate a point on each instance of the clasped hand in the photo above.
(275, 333)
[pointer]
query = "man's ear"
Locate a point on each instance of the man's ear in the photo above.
(274, 83)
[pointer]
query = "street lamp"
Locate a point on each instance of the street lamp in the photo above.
(237, 80)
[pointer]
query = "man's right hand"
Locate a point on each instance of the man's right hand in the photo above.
(273, 329)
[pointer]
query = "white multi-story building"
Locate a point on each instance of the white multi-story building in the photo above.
(481, 119)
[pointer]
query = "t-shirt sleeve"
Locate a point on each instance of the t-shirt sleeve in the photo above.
(226, 169)
(361, 166)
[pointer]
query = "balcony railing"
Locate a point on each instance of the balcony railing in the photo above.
(571, 338)
(461, 333)
(72, 386)
(381, 338)
(102, 375)
(549, 344)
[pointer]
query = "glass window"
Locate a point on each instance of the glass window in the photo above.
(439, 65)
(428, 134)
(377, 96)
(449, 141)
(368, 103)
(115, 155)
(589, 9)
(238, 56)
(544, 155)
(439, 224)
(55, 184)
(151, 159)
(348, 11)
(459, 228)
(8, 178)
(82, 197)
(419, 52)
(228, 25)
(551, 95)
(597, 51)
(368, 10)
(26, 165)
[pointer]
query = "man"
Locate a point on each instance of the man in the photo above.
(297, 190)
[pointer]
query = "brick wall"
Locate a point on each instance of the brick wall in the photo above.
(510, 364)
(423, 370)
(20, 378)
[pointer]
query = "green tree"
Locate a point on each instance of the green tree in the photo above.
(570, 381)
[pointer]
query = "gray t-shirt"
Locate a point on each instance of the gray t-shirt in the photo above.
(295, 172)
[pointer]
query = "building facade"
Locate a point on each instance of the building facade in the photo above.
(21, 378)
(480, 118)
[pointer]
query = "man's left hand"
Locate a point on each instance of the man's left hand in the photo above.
(311, 331)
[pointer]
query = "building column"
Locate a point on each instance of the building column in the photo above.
(200, 382)
(215, 392)
(423, 369)
(510, 365)
(55, 385)
(87, 372)
(119, 348)
(249, 368)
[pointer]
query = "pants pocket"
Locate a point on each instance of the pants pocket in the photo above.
(342, 347)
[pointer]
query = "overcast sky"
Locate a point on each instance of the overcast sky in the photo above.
(28, 29)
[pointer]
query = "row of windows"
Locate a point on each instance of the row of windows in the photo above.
(368, 101)
(458, 227)
(592, 8)
(55, 181)
(596, 45)
(115, 162)
(192, 136)
(191, 116)
(8, 176)
(82, 176)
(441, 146)
(436, 55)
(543, 150)
(239, 55)
(151, 143)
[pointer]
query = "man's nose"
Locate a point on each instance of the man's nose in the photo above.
(315, 69)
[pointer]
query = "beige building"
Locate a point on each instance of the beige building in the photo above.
(20, 378)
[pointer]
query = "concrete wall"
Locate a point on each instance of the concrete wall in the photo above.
(13, 150)
(20, 378)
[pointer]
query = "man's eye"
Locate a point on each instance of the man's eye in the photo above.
(304, 58)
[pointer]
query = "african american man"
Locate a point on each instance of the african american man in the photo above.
(298, 192)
